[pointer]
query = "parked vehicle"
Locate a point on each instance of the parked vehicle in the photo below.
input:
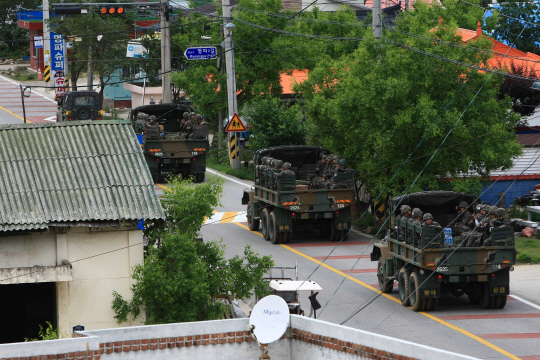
(79, 105)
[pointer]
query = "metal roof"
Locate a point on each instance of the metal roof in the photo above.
(72, 172)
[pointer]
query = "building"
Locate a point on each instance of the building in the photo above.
(72, 197)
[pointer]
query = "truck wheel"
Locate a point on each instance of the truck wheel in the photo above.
(431, 304)
(417, 303)
(385, 285)
(500, 301)
(343, 235)
(486, 301)
(200, 177)
(286, 237)
(264, 223)
(403, 284)
(252, 223)
(275, 236)
(333, 234)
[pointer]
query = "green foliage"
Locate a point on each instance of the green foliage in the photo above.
(274, 123)
(241, 173)
(14, 38)
(181, 278)
(374, 106)
(219, 153)
(510, 31)
(48, 333)
(528, 250)
(367, 220)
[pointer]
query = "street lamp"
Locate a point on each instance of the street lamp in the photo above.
(536, 85)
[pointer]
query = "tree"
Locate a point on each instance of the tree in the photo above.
(274, 123)
(103, 40)
(511, 31)
(524, 98)
(14, 37)
(374, 107)
(181, 278)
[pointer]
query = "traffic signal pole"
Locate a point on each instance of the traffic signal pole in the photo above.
(165, 53)
(46, 36)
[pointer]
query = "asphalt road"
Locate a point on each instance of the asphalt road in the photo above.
(456, 325)
(38, 108)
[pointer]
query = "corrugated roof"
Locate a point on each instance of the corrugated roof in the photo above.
(529, 162)
(73, 171)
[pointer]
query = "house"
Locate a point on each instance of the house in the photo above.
(72, 196)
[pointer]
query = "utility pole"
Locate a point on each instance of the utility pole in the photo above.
(231, 73)
(46, 37)
(90, 80)
(165, 53)
(377, 19)
(221, 115)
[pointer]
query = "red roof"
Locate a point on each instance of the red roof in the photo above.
(288, 81)
(388, 3)
(529, 140)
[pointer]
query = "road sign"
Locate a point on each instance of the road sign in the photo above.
(135, 50)
(200, 53)
(38, 42)
(235, 124)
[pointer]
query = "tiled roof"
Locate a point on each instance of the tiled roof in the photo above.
(528, 140)
(73, 172)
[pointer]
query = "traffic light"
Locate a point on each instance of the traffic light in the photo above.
(111, 10)
(67, 10)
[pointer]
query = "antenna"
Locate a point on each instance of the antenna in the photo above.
(270, 319)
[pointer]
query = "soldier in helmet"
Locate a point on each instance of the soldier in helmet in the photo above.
(461, 225)
(286, 169)
(258, 169)
(501, 218)
(416, 217)
(276, 169)
(405, 215)
(428, 221)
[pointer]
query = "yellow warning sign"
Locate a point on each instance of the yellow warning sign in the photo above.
(235, 124)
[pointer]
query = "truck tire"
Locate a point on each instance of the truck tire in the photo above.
(500, 301)
(333, 234)
(403, 286)
(385, 285)
(343, 235)
(274, 234)
(417, 303)
(264, 223)
(486, 301)
(200, 177)
(286, 237)
(431, 304)
(252, 223)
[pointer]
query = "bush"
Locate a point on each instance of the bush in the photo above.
(274, 123)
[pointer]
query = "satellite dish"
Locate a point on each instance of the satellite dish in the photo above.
(270, 317)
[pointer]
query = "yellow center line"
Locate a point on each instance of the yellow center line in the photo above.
(464, 332)
(12, 113)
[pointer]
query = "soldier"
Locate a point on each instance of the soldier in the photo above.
(200, 128)
(258, 169)
(428, 221)
(461, 224)
(286, 169)
(277, 164)
(321, 164)
(416, 218)
(501, 218)
(405, 214)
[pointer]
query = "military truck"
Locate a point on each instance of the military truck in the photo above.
(79, 105)
(426, 267)
(289, 203)
(164, 148)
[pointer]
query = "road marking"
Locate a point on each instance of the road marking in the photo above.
(342, 257)
(50, 118)
(440, 321)
(489, 316)
(359, 271)
(526, 302)
(228, 178)
(511, 336)
(343, 243)
(13, 82)
(12, 113)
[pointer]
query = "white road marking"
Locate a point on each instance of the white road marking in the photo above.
(13, 82)
(228, 178)
(526, 302)
(50, 118)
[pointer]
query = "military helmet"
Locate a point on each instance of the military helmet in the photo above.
(277, 163)
(198, 117)
(140, 116)
(405, 208)
(192, 114)
(324, 157)
(427, 216)
(185, 115)
(501, 211)
(146, 117)
(343, 162)
(463, 204)
(286, 165)
(263, 159)
(321, 155)
(336, 159)
(153, 117)
(416, 213)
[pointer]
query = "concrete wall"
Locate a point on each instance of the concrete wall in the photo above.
(28, 250)
(137, 94)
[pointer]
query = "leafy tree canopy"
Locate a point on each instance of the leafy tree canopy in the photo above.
(181, 279)
(13, 36)
(374, 106)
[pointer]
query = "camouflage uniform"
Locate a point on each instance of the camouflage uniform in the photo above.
(286, 169)
(277, 164)
(258, 169)
(405, 209)
(463, 219)
(416, 218)
(428, 216)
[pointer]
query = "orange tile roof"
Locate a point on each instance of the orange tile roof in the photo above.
(288, 81)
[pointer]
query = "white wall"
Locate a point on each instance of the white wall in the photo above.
(28, 250)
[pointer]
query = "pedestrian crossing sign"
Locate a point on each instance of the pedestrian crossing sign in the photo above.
(235, 124)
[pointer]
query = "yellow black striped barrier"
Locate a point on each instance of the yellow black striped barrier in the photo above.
(47, 74)
(380, 208)
(232, 147)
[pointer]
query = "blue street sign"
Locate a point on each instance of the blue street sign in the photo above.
(201, 53)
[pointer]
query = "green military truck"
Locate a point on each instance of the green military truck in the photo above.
(164, 148)
(79, 105)
(425, 267)
(289, 203)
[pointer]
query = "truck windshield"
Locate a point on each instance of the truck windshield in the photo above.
(84, 100)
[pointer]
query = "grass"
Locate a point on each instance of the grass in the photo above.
(241, 173)
(23, 77)
(528, 250)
